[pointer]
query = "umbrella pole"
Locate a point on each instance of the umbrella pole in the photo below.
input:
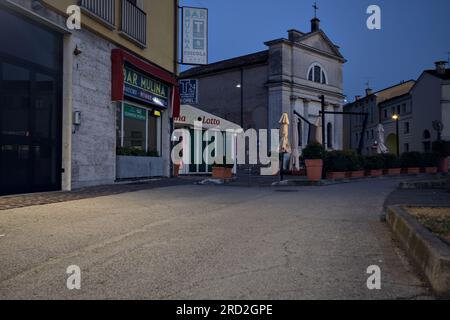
(281, 166)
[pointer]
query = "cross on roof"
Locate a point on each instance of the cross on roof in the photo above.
(315, 9)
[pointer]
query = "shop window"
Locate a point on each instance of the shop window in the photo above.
(138, 129)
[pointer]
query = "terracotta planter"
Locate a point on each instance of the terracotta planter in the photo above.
(431, 170)
(336, 175)
(222, 173)
(394, 171)
(413, 170)
(443, 167)
(376, 173)
(357, 174)
(176, 170)
(314, 169)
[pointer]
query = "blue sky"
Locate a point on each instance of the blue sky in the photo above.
(414, 34)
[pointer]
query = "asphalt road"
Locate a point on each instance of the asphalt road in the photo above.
(204, 242)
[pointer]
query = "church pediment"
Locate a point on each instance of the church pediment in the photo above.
(319, 41)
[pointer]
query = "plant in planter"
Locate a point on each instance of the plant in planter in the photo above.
(314, 154)
(392, 164)
(374, 165)
(222, 170)
(355, 165)
(442, 148)
(430, 162)
(411, 162)
(336, 165)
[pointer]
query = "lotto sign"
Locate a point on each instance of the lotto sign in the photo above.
(195, 36)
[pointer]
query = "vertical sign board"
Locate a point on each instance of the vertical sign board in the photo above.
(189, 91)
(195, 36)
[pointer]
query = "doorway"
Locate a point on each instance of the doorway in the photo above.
(30, 106)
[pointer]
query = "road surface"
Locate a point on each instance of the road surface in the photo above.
(208, 242)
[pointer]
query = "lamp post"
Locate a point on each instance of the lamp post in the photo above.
(396, 118)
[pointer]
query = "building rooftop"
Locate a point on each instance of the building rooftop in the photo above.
(445, 76)
(238, 62)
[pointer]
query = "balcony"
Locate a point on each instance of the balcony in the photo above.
(102, 10)
(134, 23)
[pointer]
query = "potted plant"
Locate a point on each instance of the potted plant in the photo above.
(392, 164)
(374, 165)
(411, 162)
(430, 162)
(222, 171)
(355, 165)
(336, 165)
(313, 155)
(442, 148)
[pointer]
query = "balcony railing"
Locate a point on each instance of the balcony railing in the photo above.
(134, 23)
(105, 10)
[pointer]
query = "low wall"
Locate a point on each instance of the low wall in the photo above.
(431, 255)
(139, 167)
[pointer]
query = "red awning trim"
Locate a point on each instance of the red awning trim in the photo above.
(118, 59)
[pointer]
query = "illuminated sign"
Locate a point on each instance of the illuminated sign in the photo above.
(145, 89)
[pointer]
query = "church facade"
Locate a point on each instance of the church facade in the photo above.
(290, 76)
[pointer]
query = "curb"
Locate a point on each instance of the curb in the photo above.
(428, 253)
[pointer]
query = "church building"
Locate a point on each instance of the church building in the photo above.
(254, 90)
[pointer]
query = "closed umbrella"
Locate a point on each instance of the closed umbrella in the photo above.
(295, 156)
(382, 148)
(284, 145)
(318, 126)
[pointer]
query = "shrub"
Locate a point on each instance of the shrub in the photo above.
(411, 159)
(442, 148)
(336, 161)
(391, 161)
(135, 152)
(314, 151)
(355, 161)
(374, 162)
(430, 159)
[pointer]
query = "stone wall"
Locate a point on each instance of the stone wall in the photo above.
(94, 141)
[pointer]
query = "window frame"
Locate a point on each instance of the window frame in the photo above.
(311, 76)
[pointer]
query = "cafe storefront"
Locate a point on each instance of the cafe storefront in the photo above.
(145, 97)
(188, 118)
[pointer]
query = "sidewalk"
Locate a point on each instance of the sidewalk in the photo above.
(36, 199)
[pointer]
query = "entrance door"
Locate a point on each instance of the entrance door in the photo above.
(30, 133)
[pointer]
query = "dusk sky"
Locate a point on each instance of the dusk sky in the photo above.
(414, 34)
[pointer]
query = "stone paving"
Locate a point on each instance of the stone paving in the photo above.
(36, 199)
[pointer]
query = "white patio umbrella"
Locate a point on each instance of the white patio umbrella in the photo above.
(295, 155)
(382, 148)
(318, 124)
(285, 147)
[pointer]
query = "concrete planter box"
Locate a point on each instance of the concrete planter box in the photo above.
(336, 175)
(412, 170)
(139, 167)
(394, 171)
(375, 173)
(431, 170)
(222, 173)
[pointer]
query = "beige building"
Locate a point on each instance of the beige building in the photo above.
(78, 106)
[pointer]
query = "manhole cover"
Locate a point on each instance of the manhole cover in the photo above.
(286, 191)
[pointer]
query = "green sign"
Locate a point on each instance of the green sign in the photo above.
(145, 89)
(134, 113)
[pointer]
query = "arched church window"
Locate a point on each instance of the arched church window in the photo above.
(317, 74)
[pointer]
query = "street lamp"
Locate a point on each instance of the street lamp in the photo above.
(396, 118)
